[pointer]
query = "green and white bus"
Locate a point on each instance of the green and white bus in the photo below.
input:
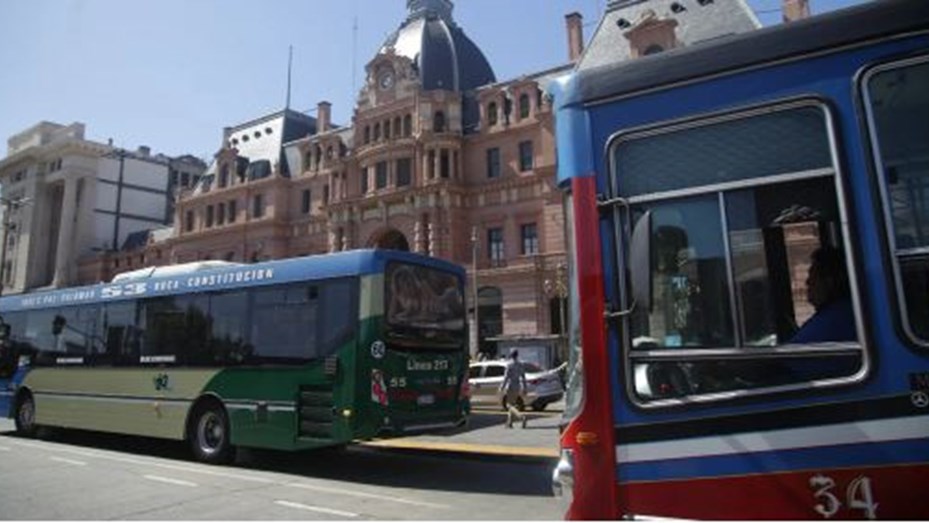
(293, 354)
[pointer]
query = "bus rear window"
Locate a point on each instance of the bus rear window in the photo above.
(425, 299)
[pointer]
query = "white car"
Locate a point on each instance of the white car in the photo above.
(542, 386)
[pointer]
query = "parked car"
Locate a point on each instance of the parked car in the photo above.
(542, 386)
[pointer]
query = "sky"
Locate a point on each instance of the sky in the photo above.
(170, 74)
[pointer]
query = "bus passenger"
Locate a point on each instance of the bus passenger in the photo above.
(828, 292)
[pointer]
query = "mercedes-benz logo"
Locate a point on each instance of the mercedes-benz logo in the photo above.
(920, 399)
(378, 349)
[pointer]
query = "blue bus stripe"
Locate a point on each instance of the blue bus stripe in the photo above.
(840, 456)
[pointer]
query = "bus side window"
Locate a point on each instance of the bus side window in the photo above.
(731, 260)
(899, 109)
(121, 335)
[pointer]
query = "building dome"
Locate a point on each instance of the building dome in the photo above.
(444, 56)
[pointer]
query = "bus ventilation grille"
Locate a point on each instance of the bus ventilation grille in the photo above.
(316, 414)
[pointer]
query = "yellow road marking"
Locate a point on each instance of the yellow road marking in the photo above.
(501, 450)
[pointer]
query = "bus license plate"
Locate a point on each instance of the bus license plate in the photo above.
(425, 399)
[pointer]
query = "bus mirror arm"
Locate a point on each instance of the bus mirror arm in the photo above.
(640, 262)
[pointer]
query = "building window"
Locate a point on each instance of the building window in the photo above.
(258, 206)
(387, 130)
(232, 211)
(408, 125)
(493, 162)
(404, 172)
(397, 129)
(523, 106)
(377, 132)
(445, 165)
(209, 215)
(530, 238)
(224, 175)
(305, 201)
(492, 114)
(364, 180)
(380, 175)
(326, 194)
(220, 213)
(495, 245)
(367, 134)
(318, 156)
(525, 156)
(438, 122)
(189, 221)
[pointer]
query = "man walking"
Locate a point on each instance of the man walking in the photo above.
(513, 386)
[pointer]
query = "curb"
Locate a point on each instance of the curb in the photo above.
(497, 451)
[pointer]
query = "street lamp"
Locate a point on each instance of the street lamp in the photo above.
(475, 340)
(8, 205)
(121, 154)
(558, 287)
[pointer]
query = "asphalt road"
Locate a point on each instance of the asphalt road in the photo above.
(83, 475)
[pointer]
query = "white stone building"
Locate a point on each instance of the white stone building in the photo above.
(68, 197)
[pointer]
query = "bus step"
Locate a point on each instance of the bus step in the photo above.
(315, 429)
(313, 413)
(316, 398)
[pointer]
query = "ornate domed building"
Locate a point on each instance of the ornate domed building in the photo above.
(440, 158)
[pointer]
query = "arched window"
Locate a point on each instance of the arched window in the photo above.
(408, 125)
(397, 130)
(367, 134)
(307, 160)
(318, 157)
(438, 122)
(492, 113)
(377, 132)
(329, 152)
(387, 129)
(224, 175)
(523, 106)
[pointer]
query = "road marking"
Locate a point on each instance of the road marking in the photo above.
(172, 481)
(68, 461)
(147, 463)
(365, 495)
(322, 510)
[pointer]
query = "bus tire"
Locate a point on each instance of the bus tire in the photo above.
(209, 434)
(25, 415)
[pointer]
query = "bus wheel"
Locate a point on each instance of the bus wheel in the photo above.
(25, 416)
(209, 435)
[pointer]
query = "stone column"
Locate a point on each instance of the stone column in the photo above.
(64, 261)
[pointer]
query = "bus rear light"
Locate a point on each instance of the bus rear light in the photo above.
(465, 389)
(587, 439)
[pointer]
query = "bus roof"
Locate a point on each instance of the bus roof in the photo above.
(318, 267)
(866, 22)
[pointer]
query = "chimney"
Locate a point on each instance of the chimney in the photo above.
(575, 28)
(145, 151)
(794, 10)
(323, 116)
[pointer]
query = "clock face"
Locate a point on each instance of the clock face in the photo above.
(386, 80)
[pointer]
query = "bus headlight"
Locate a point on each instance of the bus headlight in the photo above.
(563, 478)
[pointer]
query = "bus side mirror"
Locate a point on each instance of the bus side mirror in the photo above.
(58, 324)
(640, 262)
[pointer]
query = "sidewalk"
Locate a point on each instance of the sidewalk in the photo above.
(486, 434)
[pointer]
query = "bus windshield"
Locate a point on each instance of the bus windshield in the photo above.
(423, 302)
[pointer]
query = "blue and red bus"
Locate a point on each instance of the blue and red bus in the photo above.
(748, 225)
